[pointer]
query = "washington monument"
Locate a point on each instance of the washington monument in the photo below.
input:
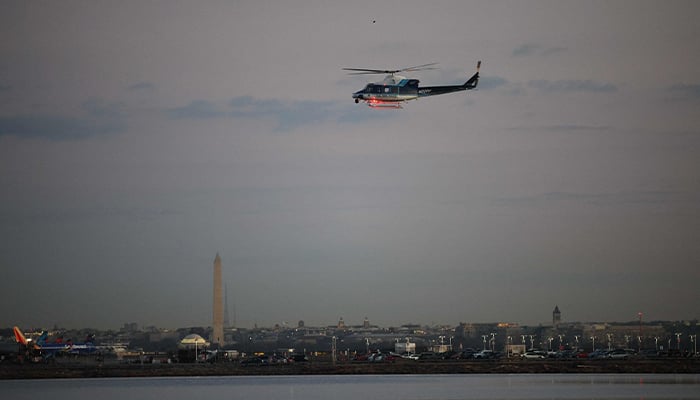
(218, 309)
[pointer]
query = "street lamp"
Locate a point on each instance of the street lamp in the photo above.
(610, 336)
(508, 339)
(576, 339)
(493, 341)
(656, 342)
(593, 340)
(484, 337)
(550, 339)
(532, 341)
(678, 340)
(333, 350)
(694, 341)
(561, 337)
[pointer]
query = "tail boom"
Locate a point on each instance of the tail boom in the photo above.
(436, 90)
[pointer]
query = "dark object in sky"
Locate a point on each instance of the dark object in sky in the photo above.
(397, 89)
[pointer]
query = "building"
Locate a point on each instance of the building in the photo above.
(405, 347)
(556, 317)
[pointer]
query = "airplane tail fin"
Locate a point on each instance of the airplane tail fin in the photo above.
(19, 336)
(474, 80)
(42, 339)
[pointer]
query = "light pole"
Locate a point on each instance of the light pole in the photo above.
(493, 341)
(333, 350)
(550, 339)
(656, 342)
(508, 339)
(678, 340)
(561, 337)
(610, 336)
(576, 339)
(694, 341)
(593, 341)
(532, 342)
(484, 338)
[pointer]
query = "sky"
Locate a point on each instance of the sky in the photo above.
(140, 139)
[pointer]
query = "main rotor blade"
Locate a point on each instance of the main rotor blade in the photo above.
(372, 71)
(368, 71)
(419, 67)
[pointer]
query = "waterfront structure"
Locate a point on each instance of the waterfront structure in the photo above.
(405, 347)
(218, 306)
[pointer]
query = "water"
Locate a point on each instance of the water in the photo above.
(405, 387)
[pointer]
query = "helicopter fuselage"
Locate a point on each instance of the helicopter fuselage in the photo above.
(391, 90)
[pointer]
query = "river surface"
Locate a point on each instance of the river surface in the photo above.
(370, 387)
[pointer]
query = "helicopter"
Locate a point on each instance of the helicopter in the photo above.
(396, 89)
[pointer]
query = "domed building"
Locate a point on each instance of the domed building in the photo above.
(192, 342)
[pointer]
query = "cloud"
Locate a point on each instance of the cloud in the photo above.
(288, 114)
(684, 91)
(100, 118)
(56, 127)
(575, 128)
(5, 88)
(641, 198)
(491, 82)
(146, 86)
(101, 109)
(530, 49)
(562, 86)
(197, 109)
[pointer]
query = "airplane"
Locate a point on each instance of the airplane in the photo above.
(396, 89)
(47, 350)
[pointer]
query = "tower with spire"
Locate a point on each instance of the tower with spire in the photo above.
(556, 317)
(218, 306)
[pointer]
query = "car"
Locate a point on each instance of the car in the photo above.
(580, 354)
(254, 361)
(411, 356)
(429, 355)
(649, 353)
(619, 354)
(298, 358)
(465, 354)
(485, 355)
(533, 355)
(598, 354)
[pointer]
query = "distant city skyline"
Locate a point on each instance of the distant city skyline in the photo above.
(137, 139)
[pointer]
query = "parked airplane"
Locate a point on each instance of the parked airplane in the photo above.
(46, 350)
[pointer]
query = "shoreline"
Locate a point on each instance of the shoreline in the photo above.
(77, 370)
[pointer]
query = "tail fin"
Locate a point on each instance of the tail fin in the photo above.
(474, 80)
(19, 336)
(42, 339)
